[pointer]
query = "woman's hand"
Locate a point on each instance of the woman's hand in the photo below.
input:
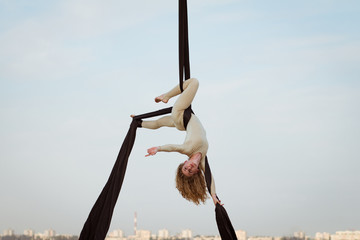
(216, 200)
(152, 151)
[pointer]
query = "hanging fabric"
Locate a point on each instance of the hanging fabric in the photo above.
(184, 57)
(223, 222)
(225, 227)
(99, 219)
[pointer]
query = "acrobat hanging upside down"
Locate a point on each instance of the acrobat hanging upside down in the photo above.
(190, 179)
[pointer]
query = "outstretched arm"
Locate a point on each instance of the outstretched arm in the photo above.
(166, 148)
(152, 151)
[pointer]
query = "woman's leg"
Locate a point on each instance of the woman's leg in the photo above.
(166, 121)
(176, 91)
(187, 96)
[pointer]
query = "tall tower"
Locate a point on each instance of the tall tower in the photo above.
(135, 223)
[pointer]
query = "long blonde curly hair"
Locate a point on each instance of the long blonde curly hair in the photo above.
(191, 188)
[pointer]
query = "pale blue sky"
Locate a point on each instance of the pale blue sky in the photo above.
(279, 97)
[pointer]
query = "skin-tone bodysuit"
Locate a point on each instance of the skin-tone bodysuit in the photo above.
(195, 140)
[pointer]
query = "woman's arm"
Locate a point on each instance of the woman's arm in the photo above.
(166, 148)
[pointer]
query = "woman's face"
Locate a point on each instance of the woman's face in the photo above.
(189, 168)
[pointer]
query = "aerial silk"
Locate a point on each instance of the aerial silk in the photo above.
(99, 219)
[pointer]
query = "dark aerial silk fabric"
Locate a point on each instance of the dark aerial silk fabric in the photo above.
(223, 222)
(225, 227)
(99, 219)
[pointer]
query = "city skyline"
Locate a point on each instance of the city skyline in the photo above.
(279, 99)
(188, 234)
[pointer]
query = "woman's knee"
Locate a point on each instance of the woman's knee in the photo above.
(193, 81)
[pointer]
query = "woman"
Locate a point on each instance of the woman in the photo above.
(190, 179)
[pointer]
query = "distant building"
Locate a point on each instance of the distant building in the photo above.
(346, 235)
(322, 236)
(300, 235)
(186, 234)
(49, 233)
(207, 238)
(241, 235)
(29, 232)
(8, 232)
(140, 235)
(260, 238)
(116, 235)
(163, 234)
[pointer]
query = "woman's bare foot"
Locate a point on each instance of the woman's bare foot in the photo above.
(132, 115)
(161, 98)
